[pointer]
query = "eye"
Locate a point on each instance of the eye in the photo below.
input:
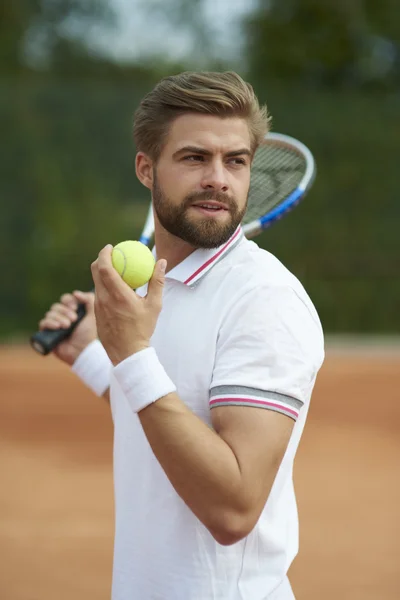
(193, 158)
(237, 160)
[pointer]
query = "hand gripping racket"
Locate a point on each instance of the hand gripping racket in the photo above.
(282, 172)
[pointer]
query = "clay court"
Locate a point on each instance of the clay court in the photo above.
(56, 499)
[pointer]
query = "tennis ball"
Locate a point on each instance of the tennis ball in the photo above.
(134, 262)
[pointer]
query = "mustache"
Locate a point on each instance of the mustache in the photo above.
(210, 195)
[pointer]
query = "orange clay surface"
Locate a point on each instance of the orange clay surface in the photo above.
(56, 497)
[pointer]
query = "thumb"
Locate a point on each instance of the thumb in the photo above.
(86, 298)
(156, 283)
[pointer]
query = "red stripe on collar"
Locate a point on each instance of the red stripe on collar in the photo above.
(215, 257)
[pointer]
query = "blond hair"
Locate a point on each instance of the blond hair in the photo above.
(220, 94)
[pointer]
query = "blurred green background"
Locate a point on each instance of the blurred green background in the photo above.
(72, 73)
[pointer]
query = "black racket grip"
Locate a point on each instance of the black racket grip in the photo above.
(46, 340)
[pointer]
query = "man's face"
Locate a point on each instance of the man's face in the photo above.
(201, 180)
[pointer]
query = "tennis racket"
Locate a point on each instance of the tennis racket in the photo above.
(282, 172)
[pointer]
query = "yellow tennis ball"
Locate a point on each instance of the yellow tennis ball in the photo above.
(134, 262)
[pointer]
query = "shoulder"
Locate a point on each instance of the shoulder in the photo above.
(248, 263)
(252, 275)
(263, 304)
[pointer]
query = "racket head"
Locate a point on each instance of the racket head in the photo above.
(282, 172)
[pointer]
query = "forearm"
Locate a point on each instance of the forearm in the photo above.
(200, 465)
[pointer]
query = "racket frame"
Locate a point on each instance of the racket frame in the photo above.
(263, 222)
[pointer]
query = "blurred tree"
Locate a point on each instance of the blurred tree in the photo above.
(334, 43)
(195, 28)
(67, 184)
(61, 187)
(15, 19)
(49, 34)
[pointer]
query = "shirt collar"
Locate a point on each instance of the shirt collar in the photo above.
(201, 261)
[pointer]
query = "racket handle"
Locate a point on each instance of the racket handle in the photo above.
(46, 340)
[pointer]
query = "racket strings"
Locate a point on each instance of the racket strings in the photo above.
(276, 173)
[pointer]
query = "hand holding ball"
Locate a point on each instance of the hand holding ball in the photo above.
(134, 262)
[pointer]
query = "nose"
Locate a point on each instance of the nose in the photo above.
(215, 177)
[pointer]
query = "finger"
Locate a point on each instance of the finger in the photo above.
(95, 272)
(100, 289)
(54, 323)
(98, 278)
(69, 300)
(64, 311)
(107, 277)
(156, 285)
(64, 320)
(86, 298)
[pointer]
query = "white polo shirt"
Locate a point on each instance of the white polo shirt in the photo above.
(236, 328)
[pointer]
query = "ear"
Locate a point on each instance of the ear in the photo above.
(144, 169)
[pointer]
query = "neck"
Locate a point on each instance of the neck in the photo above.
(169, 247)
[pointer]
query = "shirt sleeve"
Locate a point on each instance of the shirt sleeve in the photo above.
(269, 350)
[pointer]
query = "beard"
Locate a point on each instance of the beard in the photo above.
(198, 232)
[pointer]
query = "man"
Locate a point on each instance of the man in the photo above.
(209, 368)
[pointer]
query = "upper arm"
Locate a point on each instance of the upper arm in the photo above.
(269, 350)
(258, 438)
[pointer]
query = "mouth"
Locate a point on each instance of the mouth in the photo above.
(211, 207)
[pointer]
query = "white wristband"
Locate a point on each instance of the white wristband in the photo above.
(143, 379)
(93, 367)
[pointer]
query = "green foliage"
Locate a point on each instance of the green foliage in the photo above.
(67, 182)
(328, 43)
(343, 242)
(67, 187)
